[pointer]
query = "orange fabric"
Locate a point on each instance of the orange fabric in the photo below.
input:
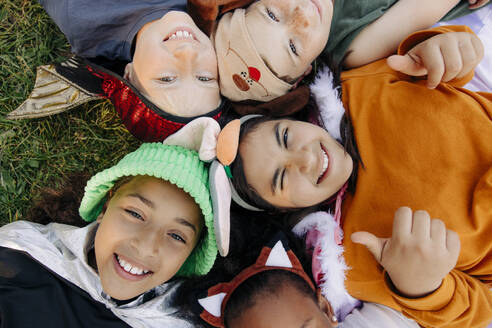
(426, 149)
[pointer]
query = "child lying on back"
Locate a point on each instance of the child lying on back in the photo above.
(170, 58)
(265, 49)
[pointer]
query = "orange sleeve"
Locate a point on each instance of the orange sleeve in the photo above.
(415, 38)
(460, 301)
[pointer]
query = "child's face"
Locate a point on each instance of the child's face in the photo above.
(148, 230)
(294, 164)
(177, 73)
(289, 34)
(289, 308)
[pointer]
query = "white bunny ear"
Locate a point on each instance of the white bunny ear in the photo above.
(278, 257)
(213, 304)
(200, 135)
(220, 193)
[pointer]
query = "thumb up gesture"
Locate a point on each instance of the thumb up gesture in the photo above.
(419, 254)
(443, 57)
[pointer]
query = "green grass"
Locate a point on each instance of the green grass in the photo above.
(39, 153)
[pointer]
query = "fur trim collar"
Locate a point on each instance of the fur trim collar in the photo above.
(329, 265)
(329, 104)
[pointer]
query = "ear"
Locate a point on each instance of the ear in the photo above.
(307, 71)
(128, 72)
(326, 308)
(100, 216)
(299, 79)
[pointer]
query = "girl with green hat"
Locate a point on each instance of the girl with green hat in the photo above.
(150, 220)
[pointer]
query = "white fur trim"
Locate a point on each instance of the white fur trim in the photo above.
(332, 261)
(330, 107)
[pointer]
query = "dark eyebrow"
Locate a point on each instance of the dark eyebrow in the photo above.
(186, 223)
(277, 134)
(144, 200)
(306, 322)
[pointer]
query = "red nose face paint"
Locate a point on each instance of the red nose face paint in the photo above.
(254, 73)
(240, 82)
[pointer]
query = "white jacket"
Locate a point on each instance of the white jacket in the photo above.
(63, 249)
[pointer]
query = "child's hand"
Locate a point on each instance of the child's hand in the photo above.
(418, 256)
(474, 4)
(442, 57)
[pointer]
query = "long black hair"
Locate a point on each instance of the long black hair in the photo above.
(310, 113)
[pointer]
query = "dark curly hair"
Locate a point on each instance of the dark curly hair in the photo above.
(62, 205)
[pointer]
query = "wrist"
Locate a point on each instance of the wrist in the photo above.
(411, 291)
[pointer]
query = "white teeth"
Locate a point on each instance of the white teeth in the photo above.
(136, 270)
(129, 268)
(325, 163)
(181, 35)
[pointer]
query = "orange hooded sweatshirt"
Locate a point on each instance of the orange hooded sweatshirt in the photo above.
(430, 150)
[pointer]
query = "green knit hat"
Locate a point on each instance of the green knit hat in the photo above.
(180, 166)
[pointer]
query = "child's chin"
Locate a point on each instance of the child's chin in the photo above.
(117, 295)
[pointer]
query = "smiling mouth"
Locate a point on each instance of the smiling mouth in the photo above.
(181, 34)
(129, 271)
(326, 165)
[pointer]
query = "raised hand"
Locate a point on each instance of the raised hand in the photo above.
(443, 57)
(419, 254)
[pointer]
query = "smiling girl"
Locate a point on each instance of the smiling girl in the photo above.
(150, 221)
(168, 55)
(265, 49)
(427, 149)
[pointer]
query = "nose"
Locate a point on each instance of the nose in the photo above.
(302, 159)
(146, 242)
(186, 51)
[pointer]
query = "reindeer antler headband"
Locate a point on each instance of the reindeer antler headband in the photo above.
(227, 149)
(204, 135)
